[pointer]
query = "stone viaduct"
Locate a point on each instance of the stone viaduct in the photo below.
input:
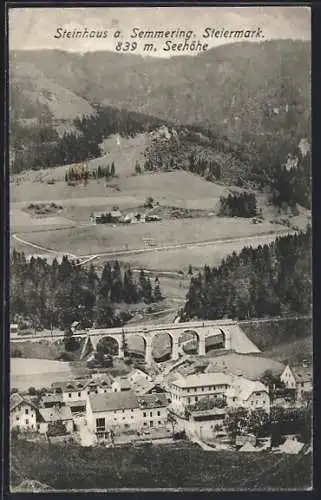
(233, 337)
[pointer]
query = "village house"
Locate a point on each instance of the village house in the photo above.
(75, 392)
(205, 423)
(117, 411)
(121, 384)
(146, 387)
(153, 410)
(136, 375)
(299, 379)
(23, 414)
(55, 415)
(52, 400)
(248, 394)
(124, 412)
(186, 391)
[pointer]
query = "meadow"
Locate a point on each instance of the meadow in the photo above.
(180, 465)
(95, 239)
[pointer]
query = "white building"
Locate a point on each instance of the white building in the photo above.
(124, 411)
(248, 394)
(75, 392)
(186, 391)
(298, 378)
(237, 391)
(121, 384)
(23, 414)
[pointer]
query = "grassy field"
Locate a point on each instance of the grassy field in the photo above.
(91, 239)
(178, 259)
(178, 465)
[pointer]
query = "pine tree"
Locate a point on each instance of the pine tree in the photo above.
(157, 294)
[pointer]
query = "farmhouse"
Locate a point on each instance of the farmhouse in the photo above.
(124, 411)
(299, 379)
(57, 415)
(23, 414)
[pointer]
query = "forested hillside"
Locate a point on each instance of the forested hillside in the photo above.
(236, 112)
(47, 296)
(272, 280)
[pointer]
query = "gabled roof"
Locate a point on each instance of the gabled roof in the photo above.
(52, 398)
(81, 384)
(203, 379)
(144, 386)
(123, 383)
(55, 414)
(243, 388)
(16, 399)
(247, 365)
(152, 400)
(115, 213)
(110, 401)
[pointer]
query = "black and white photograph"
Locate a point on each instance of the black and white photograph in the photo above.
(160, 254)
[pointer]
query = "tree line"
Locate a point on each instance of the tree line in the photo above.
(55, 295)
(83, 174)
(238, 205)
(270, 280)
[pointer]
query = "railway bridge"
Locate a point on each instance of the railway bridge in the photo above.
(227, 331)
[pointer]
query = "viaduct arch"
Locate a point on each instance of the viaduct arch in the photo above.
(202, 330)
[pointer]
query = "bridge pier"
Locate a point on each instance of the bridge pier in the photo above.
(201, 346)
(175, 350)
(121, 353)
(148, 353)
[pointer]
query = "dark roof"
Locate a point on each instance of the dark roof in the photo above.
(152, 400)
(80, 384)
(16, 399)
(109, 401)
(52, 398)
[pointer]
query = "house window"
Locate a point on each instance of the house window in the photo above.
(158, 413)
(196, 399)
(151, 423)
(132, 417)
(69, 395)
(144, 413)
(159, 422)
(79, 394)
(151, 414)
(38, 426)
(127, 426)
(17, 418)
(100, 425)
(26, 411)
(27, 421)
